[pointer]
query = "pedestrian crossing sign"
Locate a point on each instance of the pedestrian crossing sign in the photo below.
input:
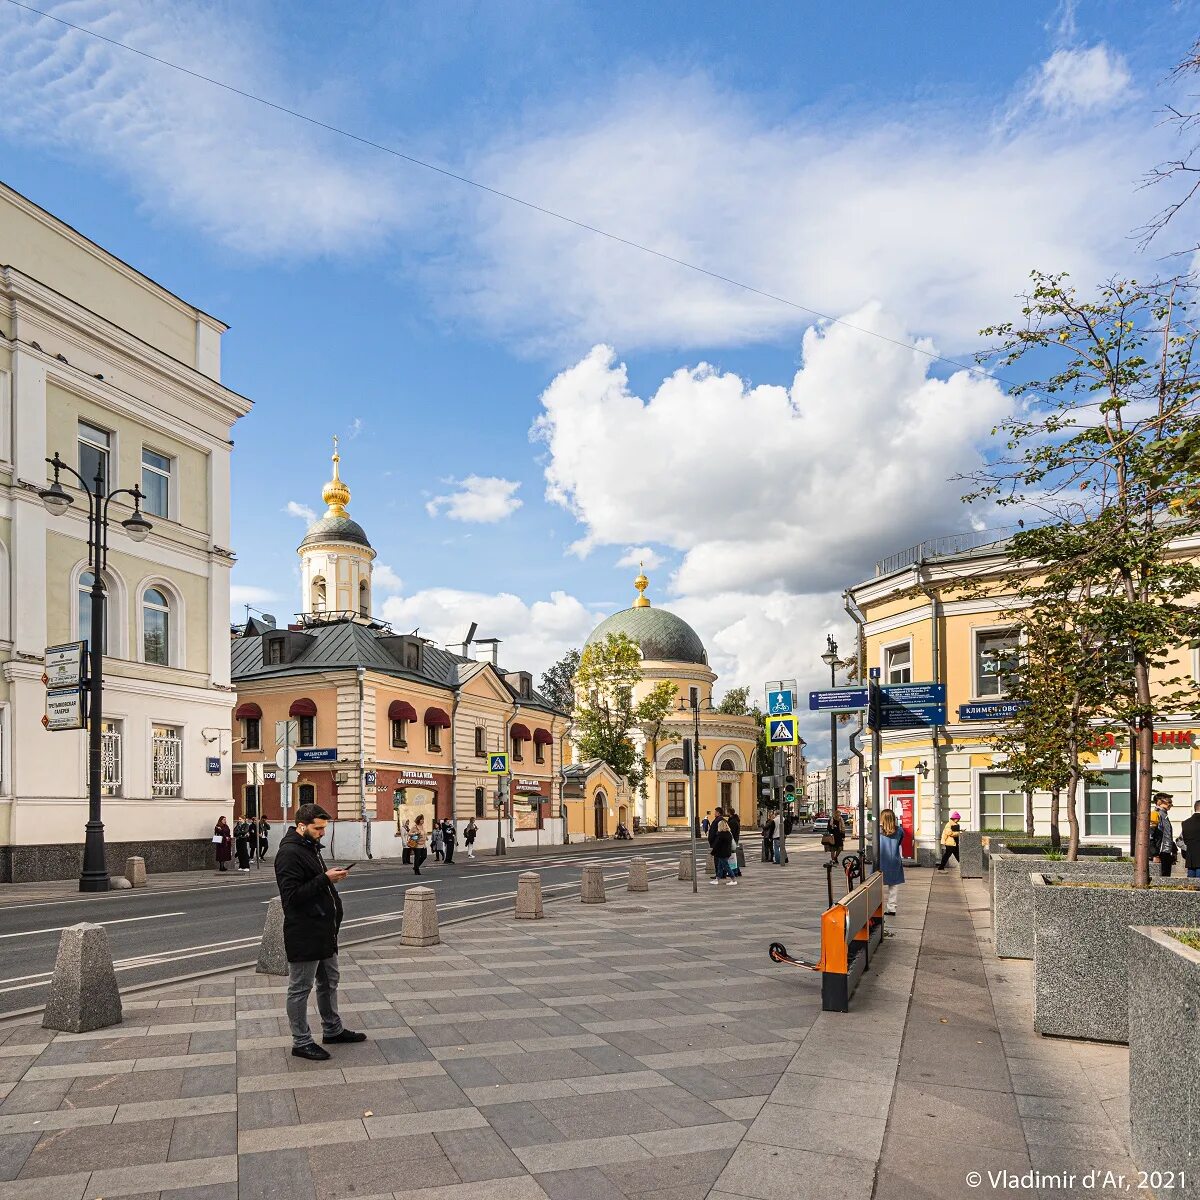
(781, 731)
(497, 764)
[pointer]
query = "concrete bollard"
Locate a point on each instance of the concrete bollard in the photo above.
(529, 896)
(420, 926)
(591, 888)
(710, 865)
(740, 855)
(135, 872)
(639, 875)
(83, 993)
(970, 854)
(685, 865)
(272, 957)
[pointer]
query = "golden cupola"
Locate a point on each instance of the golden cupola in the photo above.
(336, 494)
(641, 583)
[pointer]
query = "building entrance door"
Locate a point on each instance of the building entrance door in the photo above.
(601, 807)
(902, 796)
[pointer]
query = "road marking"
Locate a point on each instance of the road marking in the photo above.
(120, 921)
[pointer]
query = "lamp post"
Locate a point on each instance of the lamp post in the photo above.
(94, 876)
(830, 659)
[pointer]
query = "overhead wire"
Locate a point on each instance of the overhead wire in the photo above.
(510, 197)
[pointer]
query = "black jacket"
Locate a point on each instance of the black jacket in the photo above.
(1190, 832)
(720, 838)
(449, 834)
(735, 826)
(312, 909)
(769, 830)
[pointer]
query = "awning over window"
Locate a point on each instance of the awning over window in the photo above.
(437, 718)
(401, 710)
(543, 737)
(303, 707)
(248, 712)
(519, 733)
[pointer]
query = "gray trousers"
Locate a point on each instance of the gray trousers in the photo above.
(301, 977)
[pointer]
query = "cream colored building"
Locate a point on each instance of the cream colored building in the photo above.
(98, 362)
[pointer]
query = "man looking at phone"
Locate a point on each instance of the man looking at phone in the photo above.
(312, 914)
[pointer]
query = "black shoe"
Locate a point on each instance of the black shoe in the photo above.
(312, 1052)
(343, 1038)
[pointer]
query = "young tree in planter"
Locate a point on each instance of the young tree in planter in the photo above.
(1095, 450)
(605, 713)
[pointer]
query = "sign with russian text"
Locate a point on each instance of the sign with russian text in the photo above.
(838, 700)
(64, 665)
(64, 710)
(989, 710)
(324, 754)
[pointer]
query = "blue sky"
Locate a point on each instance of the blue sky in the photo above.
(898, 167)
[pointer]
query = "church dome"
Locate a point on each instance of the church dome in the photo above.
(660, 635)
(335, 524)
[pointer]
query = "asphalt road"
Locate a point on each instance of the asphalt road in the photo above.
(161, 935)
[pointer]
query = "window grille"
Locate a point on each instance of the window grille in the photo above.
(110, 760)
(167, 766)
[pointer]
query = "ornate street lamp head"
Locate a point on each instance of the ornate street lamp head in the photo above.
(136, 525)
(56, 498)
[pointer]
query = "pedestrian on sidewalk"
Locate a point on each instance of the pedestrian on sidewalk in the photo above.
(720, 838)
(835, 837)
(735, 828)
(1163, 847)
(1189, 833)
(417, 843)
(241, 842)
(406, 833)
(891, 835)
(704, 825)
(222, 843)
(950, 841)
(312, 914)
(264, 837)
(449, 837)
(469, 835)
(435, 842)
(768, 836)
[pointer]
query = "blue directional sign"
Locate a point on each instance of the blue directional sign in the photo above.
(835, 700)
(328, 754)
(994, 710)
(895, 716)
(780, 703)
(781, 731)
(912, 705)
(915, 695)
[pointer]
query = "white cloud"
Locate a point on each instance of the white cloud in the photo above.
(294, 508)
(763, 487)
(533, 635)
(241, 594)
(641, 556)
(356, 427)
(385, 580)
(1078, 81)
(485, 499)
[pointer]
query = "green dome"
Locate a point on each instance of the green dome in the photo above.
(335, 529)
(661, 635)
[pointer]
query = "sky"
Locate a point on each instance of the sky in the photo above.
(528, 409)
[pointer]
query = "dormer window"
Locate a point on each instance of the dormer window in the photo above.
(274, 652)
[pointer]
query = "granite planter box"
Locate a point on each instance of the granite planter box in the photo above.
(1012, 895)
(1164, 1046)
(970, 854)
(1080, 980)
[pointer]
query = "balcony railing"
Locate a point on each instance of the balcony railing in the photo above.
(940, 547)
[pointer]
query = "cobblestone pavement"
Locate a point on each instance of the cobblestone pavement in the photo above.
(643, 1047)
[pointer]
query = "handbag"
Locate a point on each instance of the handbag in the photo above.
(414, 841)
(828, 841)
(217, 839)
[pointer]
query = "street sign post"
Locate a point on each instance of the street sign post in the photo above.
(781, 703)
(65, 666)
(781, 731)
(497, 764)
(286, 758)
(838, 700)
(912, 705)
(287, 734)
(65, 709)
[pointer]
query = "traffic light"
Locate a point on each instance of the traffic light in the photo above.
(789, 791)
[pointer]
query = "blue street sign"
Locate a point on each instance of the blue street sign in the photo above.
(213, 766)
(835, 700)
(497, 764)
(896, 717)
(327, 754)
(780, 703)
(915, 695)
(369, 778)
(994, 710)
(873, 673)
(781, 731)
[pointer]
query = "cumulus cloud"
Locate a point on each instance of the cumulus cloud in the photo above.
(641, 556)
(385, 581)
(356, 427)
(241, 594)
(1078, 81)
(769, 486)
(294, 508)
(485, 499)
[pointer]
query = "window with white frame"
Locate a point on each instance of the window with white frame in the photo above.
(166, 762)
(84, 628)
(156, 483)
(897, 663)
(1001, 802)
(1106, 806)
(95, 447)
(156, 627)
(110, 758)
(996, 653)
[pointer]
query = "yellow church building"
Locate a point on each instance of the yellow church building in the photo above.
(596, 799)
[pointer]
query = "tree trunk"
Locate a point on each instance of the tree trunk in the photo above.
(1145, 780)
(1055, 802)
(1029, 813)
(1072, 816)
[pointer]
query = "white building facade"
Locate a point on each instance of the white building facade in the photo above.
(103, 366)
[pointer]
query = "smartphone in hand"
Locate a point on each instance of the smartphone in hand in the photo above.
(347, 866)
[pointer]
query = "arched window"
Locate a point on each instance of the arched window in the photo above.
(84, 632)
(364, 599)
(318, 593)
(727, 765)
(674, 764)
(156, 627)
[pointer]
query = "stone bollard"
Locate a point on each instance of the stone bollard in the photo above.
(420, 926)
(970, 854)
(710, 864)
(135, 872)
(639, 875)
(685, 865)
(591, 888)
(740, 856)
(83, 993)
(529, 896)
(272, 957)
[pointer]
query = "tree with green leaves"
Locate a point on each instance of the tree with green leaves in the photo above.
(735, 702)
(1094, 452)
(605, 712)
(558, 681)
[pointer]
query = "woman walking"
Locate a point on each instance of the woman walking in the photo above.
(222, 843)
(416, 843)
(241, 841)
(835, 837)
(720, 838)
(406, 833)
(950, 841)
(469, 835)
(891, 835)
(264, 837)
(435, 842)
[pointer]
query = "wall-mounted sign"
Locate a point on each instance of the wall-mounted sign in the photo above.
(369, 778)
(425, 779)
(990, 710)
(65, 710)
(527, 787)
(327, 754)
(64, 666)
(213, 765)
(497, 764)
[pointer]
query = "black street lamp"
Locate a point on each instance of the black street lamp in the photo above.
(830, 659)
(94, 876)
